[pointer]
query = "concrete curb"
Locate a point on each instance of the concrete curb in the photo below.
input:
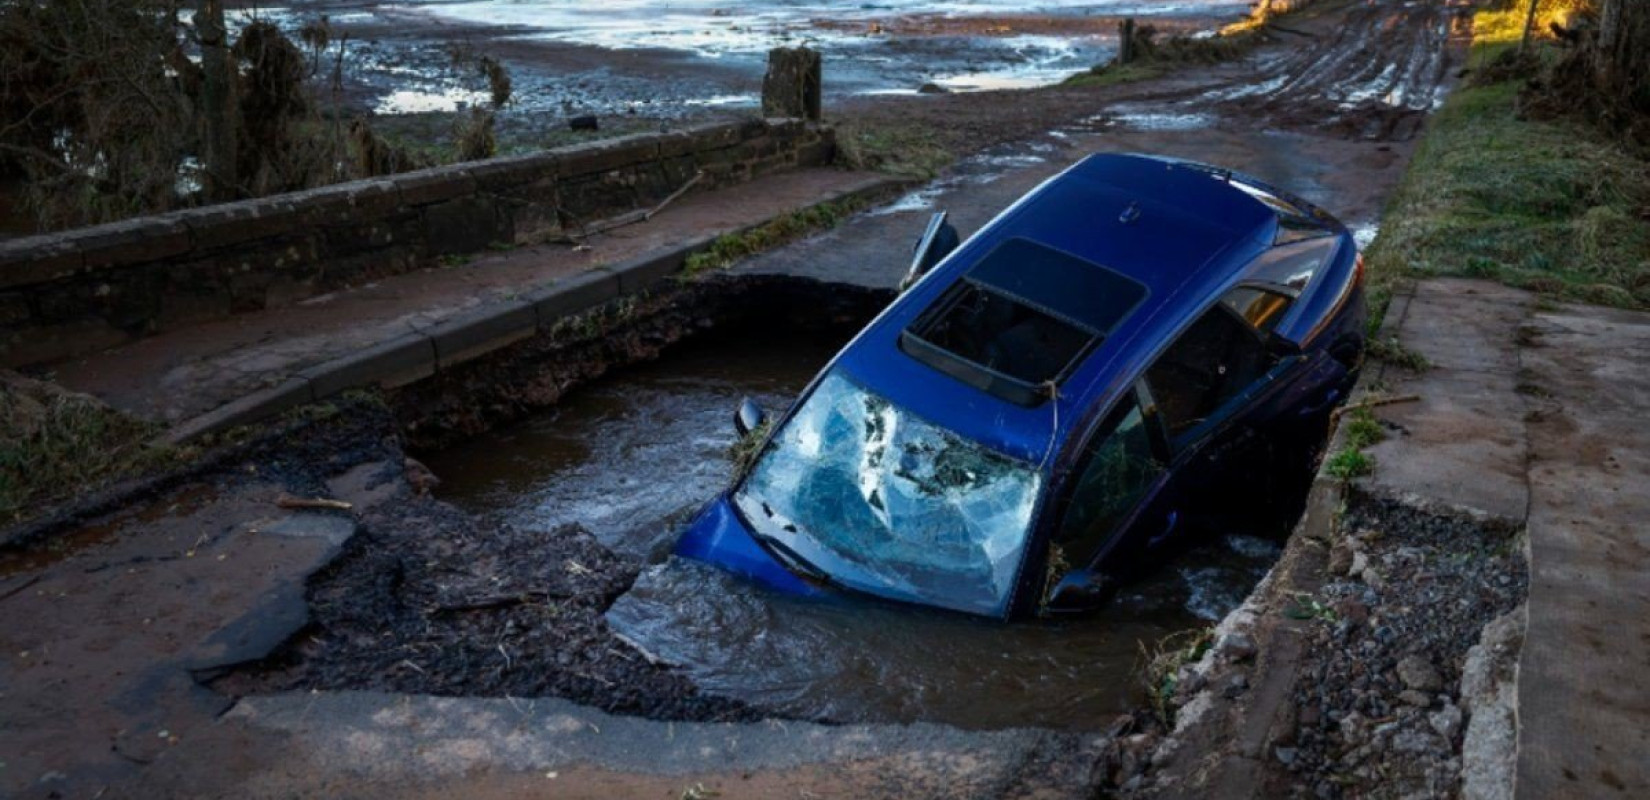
(419, 356)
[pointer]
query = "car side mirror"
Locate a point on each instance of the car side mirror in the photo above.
(748, 418)
(1281, 347)
(1079, 591)
(938, 240)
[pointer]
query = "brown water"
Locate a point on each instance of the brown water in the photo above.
(631, 458)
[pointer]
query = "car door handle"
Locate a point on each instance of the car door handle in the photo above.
(1328, 400)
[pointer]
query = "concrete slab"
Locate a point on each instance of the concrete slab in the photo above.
(411, 740)
(1463, 443)
(1538, 417)
(573, 296)
(1583, 700)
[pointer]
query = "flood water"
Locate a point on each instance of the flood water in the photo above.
(674, 58)
(631, 458)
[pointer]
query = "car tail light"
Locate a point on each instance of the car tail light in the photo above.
(1358, 271)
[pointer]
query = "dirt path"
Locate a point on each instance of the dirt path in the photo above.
(1348, 69)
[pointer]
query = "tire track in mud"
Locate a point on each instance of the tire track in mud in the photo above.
(1372, 72)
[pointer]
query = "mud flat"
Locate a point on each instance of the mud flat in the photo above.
(631, 62)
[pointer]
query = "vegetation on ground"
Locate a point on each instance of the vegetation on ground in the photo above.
(58, 444)
(1349, 463)
(727, 249)
(1163, 659)
(1559, 205)
(914, 151)
(1360, 430)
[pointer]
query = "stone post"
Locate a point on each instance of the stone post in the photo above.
(794, 83)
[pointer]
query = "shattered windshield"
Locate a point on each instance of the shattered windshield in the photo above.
(881, 501)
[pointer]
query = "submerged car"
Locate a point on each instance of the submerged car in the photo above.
(1134, 347)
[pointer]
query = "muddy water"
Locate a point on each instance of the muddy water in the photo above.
(631, 458)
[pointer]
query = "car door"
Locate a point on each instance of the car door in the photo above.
(1203, 390)
(1123, 464)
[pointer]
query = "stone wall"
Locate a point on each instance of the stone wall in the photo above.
(69, 293)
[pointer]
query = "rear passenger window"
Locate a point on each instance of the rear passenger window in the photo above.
(1258, 307)
(1292, 265)
(1212, 362)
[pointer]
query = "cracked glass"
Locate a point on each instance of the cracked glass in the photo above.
(879, 500)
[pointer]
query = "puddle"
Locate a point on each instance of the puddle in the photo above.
(1153, 121)
(978, 169)
(631, 458)
(65, 546)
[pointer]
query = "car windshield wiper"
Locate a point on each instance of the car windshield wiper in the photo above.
(792, 560)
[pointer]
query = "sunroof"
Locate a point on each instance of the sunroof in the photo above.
(1021, 318)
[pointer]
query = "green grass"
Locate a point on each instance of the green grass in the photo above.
(913, 150)
(56, 444)
(1397, 354)
(1349, 463)
(1114, 74)
(1555, 206)
(1362, 429)
(793, 226)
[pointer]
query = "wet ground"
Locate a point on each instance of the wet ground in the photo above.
(629, 459)
(668, 60)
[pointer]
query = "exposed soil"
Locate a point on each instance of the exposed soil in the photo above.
(429, 599)
(1369, 71)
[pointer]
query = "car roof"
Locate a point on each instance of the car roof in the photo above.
(1183, 231)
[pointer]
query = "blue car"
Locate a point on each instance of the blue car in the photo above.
(1135, 347)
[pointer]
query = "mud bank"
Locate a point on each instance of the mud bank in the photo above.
(429, 599)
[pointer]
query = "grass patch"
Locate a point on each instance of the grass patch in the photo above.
(55, 444)
(1362, 429)
(1304, 606)
(912, 151)
(732, 247)
(1349, 463)
(1163, 660)
(1554, 206)
(1397, 354)
(1114, 74)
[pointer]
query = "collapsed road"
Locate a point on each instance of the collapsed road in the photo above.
(209, 638)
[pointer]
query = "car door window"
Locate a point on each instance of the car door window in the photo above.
(1212, 362)
(1261, 308)
(1119, 469)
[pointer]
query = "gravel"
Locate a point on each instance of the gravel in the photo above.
(1378, 707)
